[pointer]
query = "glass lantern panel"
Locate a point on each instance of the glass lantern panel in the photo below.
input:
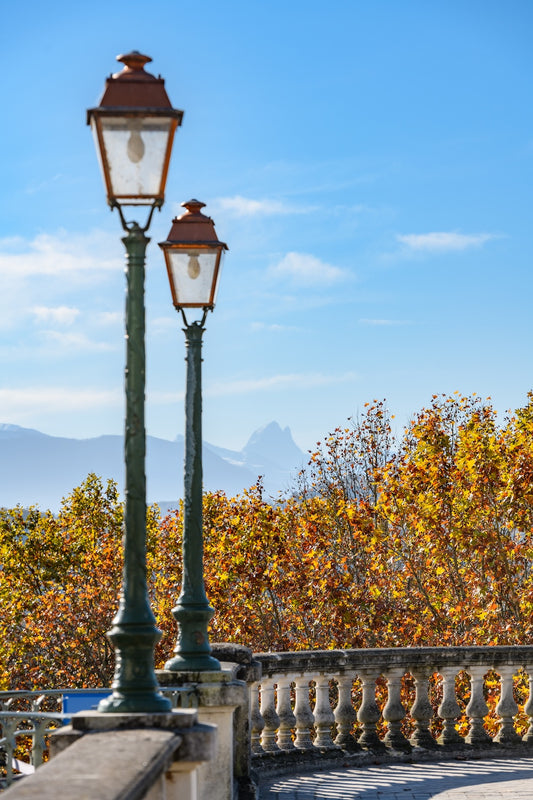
(135, 152)
(193, 272)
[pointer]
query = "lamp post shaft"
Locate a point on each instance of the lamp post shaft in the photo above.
(193, 583)
(134, 633)
(193, 612)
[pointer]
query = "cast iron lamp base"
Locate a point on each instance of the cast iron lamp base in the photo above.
(192, 652)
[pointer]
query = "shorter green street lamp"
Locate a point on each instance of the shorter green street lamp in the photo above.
(193, 256)
(134, 127)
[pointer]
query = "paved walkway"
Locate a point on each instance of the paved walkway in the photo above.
(491, 779)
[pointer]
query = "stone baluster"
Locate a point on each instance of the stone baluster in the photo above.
(37, 702)
(7, 730)
(528, 708)
(421, 711)
(394, 712)
(477, 708)
(304, 715)
(324, 717)
(257, 722)
(345, 715)
(449, 709)
(507, 708)
(270, 716)
(38, 741)
(287, 720)
(369, 713)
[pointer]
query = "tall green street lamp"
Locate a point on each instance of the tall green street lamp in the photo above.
(134, 127)
(193, 256)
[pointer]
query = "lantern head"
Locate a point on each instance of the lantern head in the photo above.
(134, 128)
(193, 256)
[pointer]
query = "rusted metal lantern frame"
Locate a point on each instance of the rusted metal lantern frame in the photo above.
(193, 255)
(134, 105)
(134, 128)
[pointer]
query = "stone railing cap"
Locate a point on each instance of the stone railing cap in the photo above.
(95, 721)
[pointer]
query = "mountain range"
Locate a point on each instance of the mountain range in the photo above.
(38, 469)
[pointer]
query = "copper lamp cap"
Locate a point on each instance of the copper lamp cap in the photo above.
(133, 66)
(133, 87)
(193, 227)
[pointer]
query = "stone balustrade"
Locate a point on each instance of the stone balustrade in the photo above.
(16, 727)
(28, 718)
(395, 703)
(123, 757)
(279, 712)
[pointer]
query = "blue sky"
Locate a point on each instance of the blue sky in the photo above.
(368, 163)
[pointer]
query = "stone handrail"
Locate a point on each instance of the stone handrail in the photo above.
(34, 715)
(311, 709)
(15, 726)
(123, 757)
(51, 700)
(315, 706)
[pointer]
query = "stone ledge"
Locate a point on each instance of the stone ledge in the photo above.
(239, 658)
(96, 721)
(211, 689)
(196, 741)
(110, 765)
(338, 661)
(282, 763)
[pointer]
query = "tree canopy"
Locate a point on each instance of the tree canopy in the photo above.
(422, 538)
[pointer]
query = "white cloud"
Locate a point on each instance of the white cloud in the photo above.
(39, 275)
(44, 184)
(63, 254)
(440, 242)
(159, 398)
(293, 380)
(275, 328)
(247, 207)
(77, 341)
(383, 322)
(164, 325)
(17, 404)
(307, 270)
(61, 315)
(110, 317)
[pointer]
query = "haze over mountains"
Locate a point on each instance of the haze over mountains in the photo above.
(37, 469)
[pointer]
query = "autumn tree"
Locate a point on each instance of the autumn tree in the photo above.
(458, 549)
(425, 540)
(58, 589)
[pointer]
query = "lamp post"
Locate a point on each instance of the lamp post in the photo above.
(134, 127)
(193, 256)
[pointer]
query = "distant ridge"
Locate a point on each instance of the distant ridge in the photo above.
(38, 469)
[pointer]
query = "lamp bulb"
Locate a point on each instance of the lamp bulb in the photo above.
(135, 147)
(193, 268)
